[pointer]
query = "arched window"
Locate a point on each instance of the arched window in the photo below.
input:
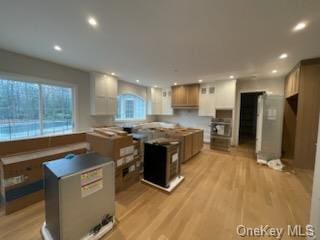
(130, 107)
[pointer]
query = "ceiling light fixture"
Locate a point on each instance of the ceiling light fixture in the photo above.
(200, 80)
(113, 74)
(283, 56)
(300, 26)
(231, 77)
(274, 71)
(92, 21)
(175, 84)
(155, 86)
(137, 81)
(57, 48)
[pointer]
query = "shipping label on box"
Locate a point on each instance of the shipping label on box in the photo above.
(120, 162)
(14, 180)
(135, 152)
(91, 176)
(132, 168)
(129, 158)
(174, 157)
(91, 188)
(126, 150)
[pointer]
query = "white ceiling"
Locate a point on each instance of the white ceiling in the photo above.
(161, 41)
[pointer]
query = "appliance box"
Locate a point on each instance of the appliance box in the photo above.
(161, 162)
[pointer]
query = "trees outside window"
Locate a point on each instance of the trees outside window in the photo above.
(32, 109)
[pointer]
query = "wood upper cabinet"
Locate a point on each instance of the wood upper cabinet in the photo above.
(185, 96)
(292, 83)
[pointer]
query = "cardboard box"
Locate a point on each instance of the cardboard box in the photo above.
(115, 147)
(35, 144)
(128, 174)
(22, 176)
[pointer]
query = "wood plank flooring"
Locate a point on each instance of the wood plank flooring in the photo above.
(220, 191)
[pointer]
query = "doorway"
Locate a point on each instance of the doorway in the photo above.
(248, 119)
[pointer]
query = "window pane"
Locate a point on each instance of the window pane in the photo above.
(130, 107)
(19, 109)
(57, 109)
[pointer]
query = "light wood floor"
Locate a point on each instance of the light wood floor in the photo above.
(220, 191)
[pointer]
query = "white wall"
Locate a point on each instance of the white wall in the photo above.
(274, 86)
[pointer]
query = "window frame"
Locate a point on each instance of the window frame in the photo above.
(44, 81)
(119, 120)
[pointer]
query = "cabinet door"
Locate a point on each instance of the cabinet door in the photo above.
(100, 106)
(193, 95)
(206, 101)
(292, 83)
(111, 85)
(225, 93)
(296, 81)
(179, 96)
(111, 106)
(100, 85)
(166, 103)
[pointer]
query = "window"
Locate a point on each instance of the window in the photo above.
(130, 107)
(33, 109)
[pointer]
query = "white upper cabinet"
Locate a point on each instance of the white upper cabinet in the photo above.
(159, 101)
(225, 94)
(207, 100)
(216, 95)
(103, 94)
(154, 106)
(166, 102)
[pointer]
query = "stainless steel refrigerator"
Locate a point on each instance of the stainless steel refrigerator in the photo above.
(269, 127)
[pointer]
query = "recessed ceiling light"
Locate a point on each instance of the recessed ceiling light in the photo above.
(137, 80)
(175, 83)
(155, 86)
(274, 71)
(231, 77)
(200, 80)
(283, 56)
(300, 26)
(57, 48)
(113, 74)
(92, 21)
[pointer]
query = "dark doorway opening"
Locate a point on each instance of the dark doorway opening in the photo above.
(248, 119)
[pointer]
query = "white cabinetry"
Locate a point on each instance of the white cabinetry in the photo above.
(159, 101)
(216, 95)
(103, 94)
(206, 100)
(166, 102)
(154, 105)
(225, 94)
